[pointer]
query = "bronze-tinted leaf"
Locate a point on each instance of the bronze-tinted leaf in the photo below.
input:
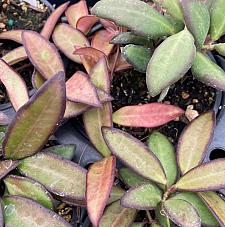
(14, 35)
(134, 154)
(115, 215)
(23, 186)
(100, 179)
(194, 141)
(121, 63)
(146, 115)
(37, 79)
(74, 109)
(209, 176)
(15, 85)
(43, 55)
(66, 37)
(60, 176)
(32, 125)
(85, 23)
(216, 204)
(6, 166)
(19, 211)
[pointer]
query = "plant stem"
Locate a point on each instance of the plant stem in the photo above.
(149, 217)
(168, 222)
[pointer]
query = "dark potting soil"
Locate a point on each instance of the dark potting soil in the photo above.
(129, 88)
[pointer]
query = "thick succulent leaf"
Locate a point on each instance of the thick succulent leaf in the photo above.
(207, 219)
(101, 41)
(138, 56)
(143, 197)
(209, 176)
(147, 21)
(58, 175)
(217, 27)
(37, 79)
(197, 19)
(85, 23)
(116, 215)
(163, 94)
(208, 72)
(165, 152)
(125, 38)
(66, 151)
(216, 204)
(4, 119)
(66, 37)
(79, 88)
(75, 12)
(6, 166)
(115, 195)
(74, 109)
(182, 213)
(109, 25)
(17, 55)
(194, 141)
(52, 20)
(43, 55)
(173, 7)
(14, 35)
(130, 178)
(220, 48)
(15, 85)
(20, 212)
(32, 126)
(161, 217)
(146, 115)
(23, 186)
(170, 61)
(134, 154)
(100, 178)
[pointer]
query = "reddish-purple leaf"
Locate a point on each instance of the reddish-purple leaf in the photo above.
(14, 35)
(4, 119)
(15, 85)
(100, 179)
(147, 115)
(109, 25)
(76, 11)
(6, 166)
(36, 120)
(43, 54)
(66, 37)
(85, 23)
(52, 20)
(79, 88)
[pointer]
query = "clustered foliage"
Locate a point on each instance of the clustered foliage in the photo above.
(174, 185)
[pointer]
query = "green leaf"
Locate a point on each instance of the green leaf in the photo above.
(21, 212)
(165, 152)
(194, 141)
(30, 189)
(197, 19)
(217, 28)
(138, 56)
(116, 215)
(170, 61)
(7, 166)
(220, 48)
(207, 219)
(143, 197)
(134, 154)
(208, 72)
(115, 194)
(60, 176)
(130, 178)
(209, 176)
(161, 217)
(216, 204)
(181, 213)
(147, 21)
(67, 151)
(36, 120)
(139, 224)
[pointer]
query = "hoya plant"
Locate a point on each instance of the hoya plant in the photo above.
(182, 33)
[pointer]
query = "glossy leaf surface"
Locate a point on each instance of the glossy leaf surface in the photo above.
(134, 154)
(146, 115)
(43, 55)
(143, 197)
(30, 189)
(100, 179)
(32, 126)
(14, 35)
(165, 152)
(147, 21)
(6, 166)
(194, 141)
(170, 61)
(60, 176)
(209, 176)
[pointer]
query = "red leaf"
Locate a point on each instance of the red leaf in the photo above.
(84, 24)
(121, 63)
(109, 25)
(100, 179)
(147, 115)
